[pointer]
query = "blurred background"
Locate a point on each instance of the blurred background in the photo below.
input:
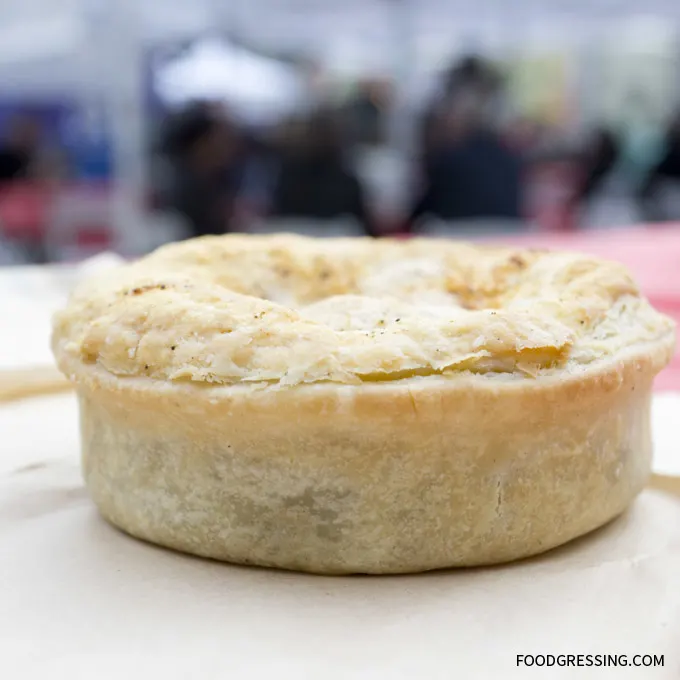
(125, 124)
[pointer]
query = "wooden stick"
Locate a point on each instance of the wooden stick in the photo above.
(665, 483)
(33, 382)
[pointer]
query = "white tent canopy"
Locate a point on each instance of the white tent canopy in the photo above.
(254, 87)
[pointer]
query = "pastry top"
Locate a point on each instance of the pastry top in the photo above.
(287, 309)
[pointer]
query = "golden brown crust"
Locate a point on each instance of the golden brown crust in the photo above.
(288, 310)
(396, 477)
(498, 407)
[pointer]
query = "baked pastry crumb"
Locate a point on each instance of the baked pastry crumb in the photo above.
(289, 310)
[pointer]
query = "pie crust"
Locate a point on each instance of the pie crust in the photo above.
(362, 406)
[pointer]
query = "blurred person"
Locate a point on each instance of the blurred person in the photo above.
(471, 173)
(470, 71)
(469, 79)
(261, 158)
(205, 168)
(29, 172)
(599, 160)
(314, 180)
(367, 112)
(18, 152)
(642, 138)
(473, 77)
(665, 171)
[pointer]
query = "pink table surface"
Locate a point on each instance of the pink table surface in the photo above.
(651, 253)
